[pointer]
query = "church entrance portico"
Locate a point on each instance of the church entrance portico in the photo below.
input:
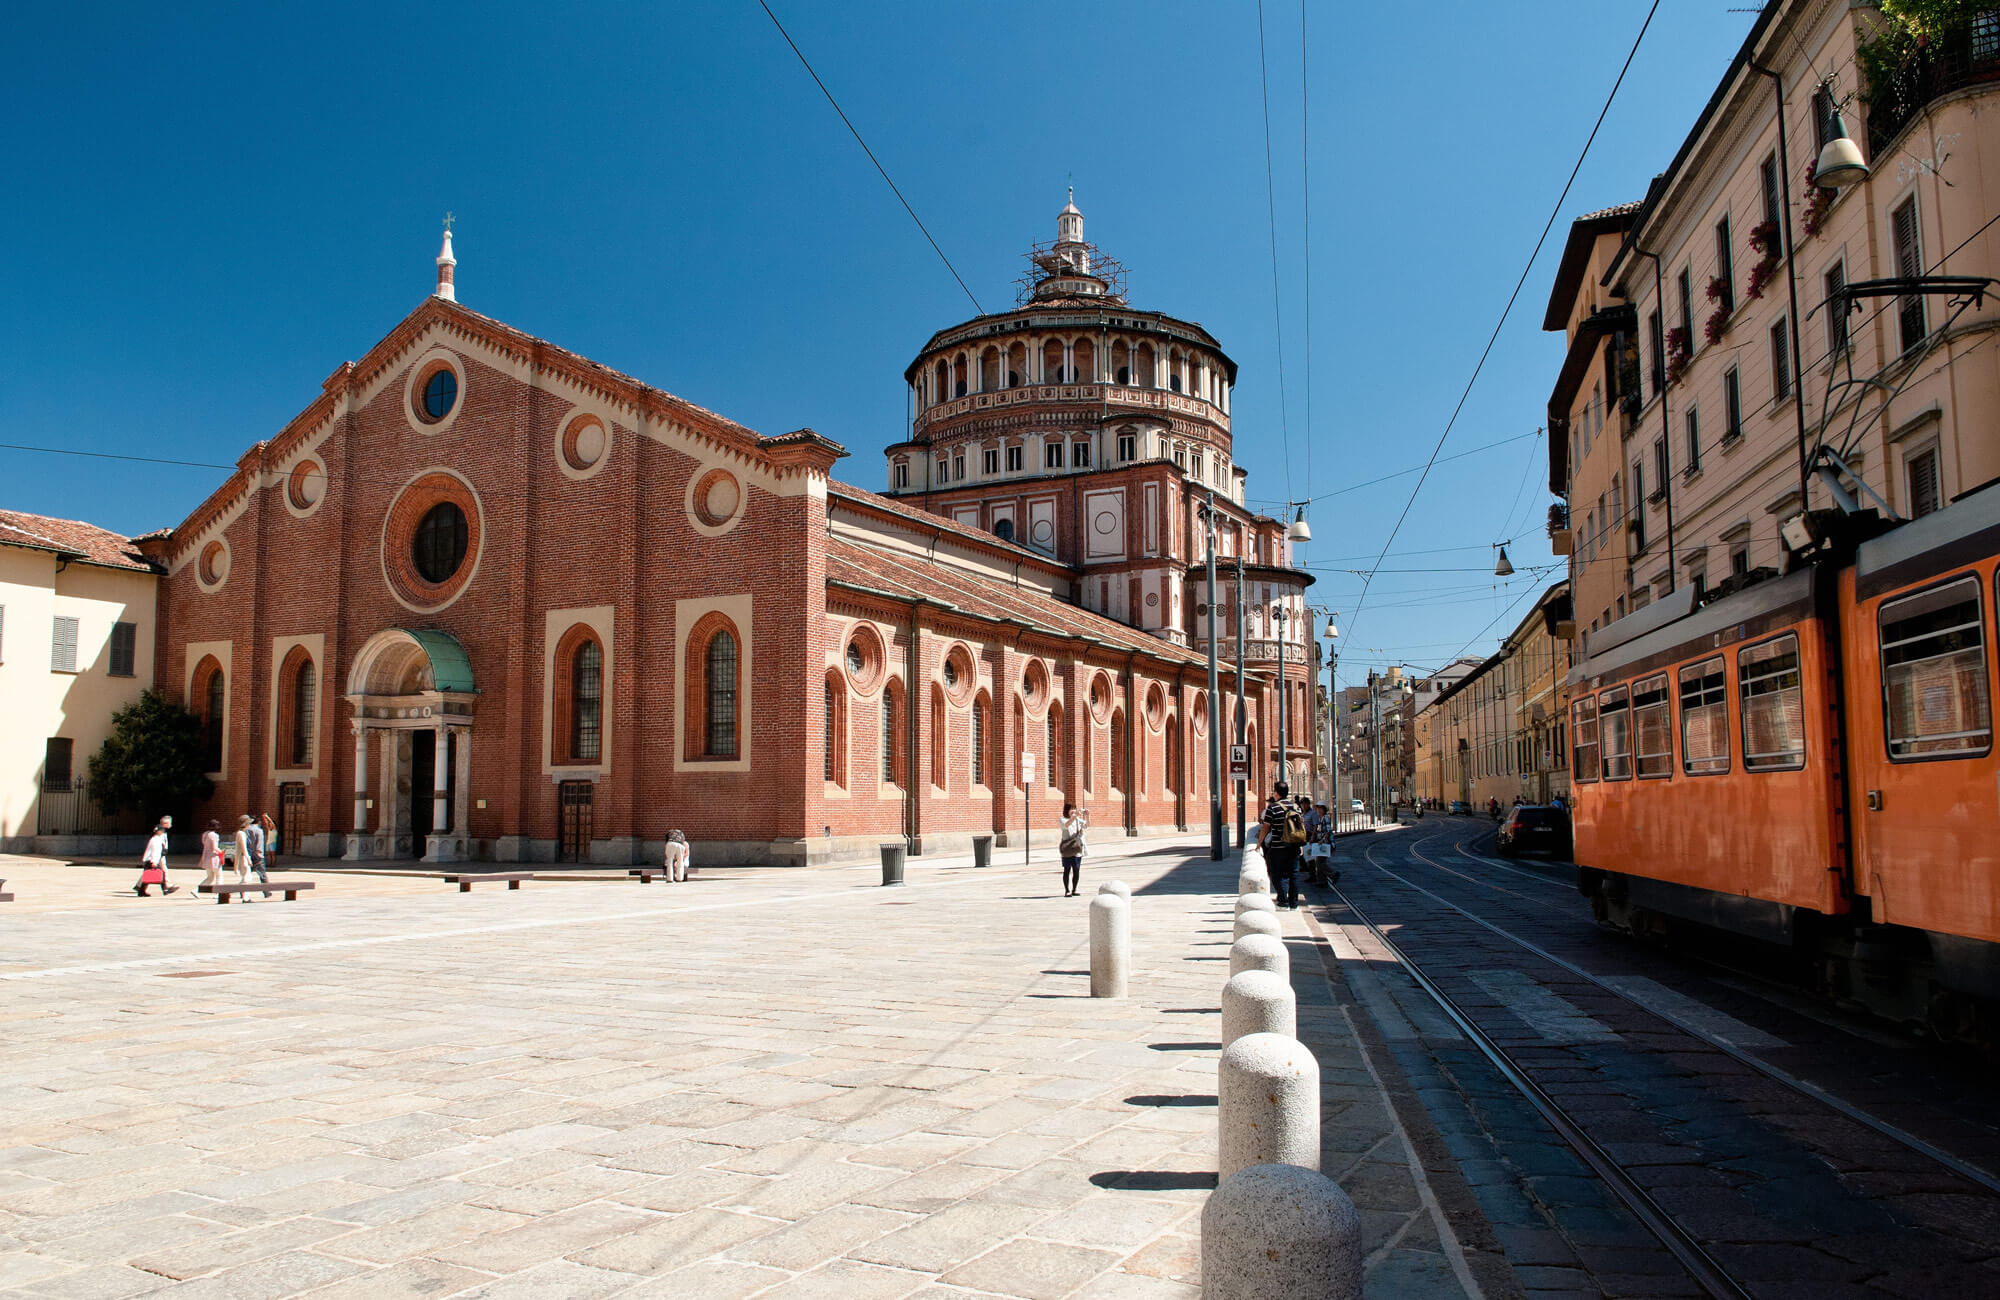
(412, 697)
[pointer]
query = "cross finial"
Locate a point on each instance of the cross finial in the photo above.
(448, 219)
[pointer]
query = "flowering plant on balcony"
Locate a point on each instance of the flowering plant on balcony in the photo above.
(1763, 238)
(1680, 350)
(1818, 200)
(1717, 323)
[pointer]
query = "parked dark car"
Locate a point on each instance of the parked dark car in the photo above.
(1461, 807)
(1535, 828)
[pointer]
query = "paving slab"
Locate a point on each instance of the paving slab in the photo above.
(771, 1083)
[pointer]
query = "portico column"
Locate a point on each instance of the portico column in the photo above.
(385, 808)
(1069, 361)
(360, 822)
(440, 777)
(461, 815)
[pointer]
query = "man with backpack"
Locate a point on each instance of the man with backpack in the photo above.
(1281, 835)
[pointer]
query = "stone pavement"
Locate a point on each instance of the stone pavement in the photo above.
(761, 1083)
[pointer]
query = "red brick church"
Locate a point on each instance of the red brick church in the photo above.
(485, 599)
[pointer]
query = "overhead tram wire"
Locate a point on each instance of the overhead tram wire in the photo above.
(807, 65)
(1305, 182)
(1442, 460)
(1271, 205)
(1505, 312)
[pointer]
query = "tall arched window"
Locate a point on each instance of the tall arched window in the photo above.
(940, 719)
(891, 710)
(210, 699)
(1055, 746)
(304, 694)
(1173, 756)
(586, 703)
(979, 741)
(1118, 751)
(719, 718)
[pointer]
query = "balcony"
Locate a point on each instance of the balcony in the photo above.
(1905, 78)
(1122, 396)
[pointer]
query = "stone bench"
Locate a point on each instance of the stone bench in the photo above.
(225, 891)
(466, 882)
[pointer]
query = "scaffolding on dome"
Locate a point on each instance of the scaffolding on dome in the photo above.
(1045, 264)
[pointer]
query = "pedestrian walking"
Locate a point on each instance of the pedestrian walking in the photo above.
(211, 855)
(677, 856)
(1281, 834)
(240, 851)
(259, 833)
(153, 861)
(1071, 848)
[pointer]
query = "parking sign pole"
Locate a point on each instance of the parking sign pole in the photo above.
(1216, 848)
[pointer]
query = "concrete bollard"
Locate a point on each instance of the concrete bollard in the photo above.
(1117, 887)
(1278, 1232)
(1258, 922)
(1260, 952)
(1267, 1096)
(1256, 903)
(1110, 945)
(1253, 880)
(1258, 1002)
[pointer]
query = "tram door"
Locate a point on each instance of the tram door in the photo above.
(574, 833)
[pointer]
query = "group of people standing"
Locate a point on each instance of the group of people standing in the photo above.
(244, 851)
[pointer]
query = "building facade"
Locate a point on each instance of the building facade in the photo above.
(1499, 730)
(487, 599)
(76, 645)
(1721, 379)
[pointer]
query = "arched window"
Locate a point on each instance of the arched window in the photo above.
(211, 701)
(1055, 746)
(1118, 742)
(304, 694)
(586, 703)
(940, 719)
(835, 765)
(1004, 529)
(1020, 737)
(892, 697)
(1173, 757)
(720, 721)
(979, 741)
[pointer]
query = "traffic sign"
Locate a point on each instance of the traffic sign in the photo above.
(1027, 768)
(1239, 762)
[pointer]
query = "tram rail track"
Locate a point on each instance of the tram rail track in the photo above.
(1684, 1245)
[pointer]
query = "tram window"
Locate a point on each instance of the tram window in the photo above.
(1773, 705)
(1934, 690)
(1653, 727)
(1583, 750)
(1614, 728)
(1704, 718)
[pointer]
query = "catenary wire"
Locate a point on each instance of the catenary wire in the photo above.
(1271, 204)
(1507, 310)
(852, 130)
(1305, 182)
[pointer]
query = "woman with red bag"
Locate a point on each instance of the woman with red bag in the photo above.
(153, 862)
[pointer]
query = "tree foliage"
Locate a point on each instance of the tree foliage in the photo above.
(152, 761)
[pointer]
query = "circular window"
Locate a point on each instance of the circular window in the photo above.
(1035, 684)
(213, 566)
(1201, 713)
(431, 541)
(857, 662)
(950, 673)
(306, 485)
(864, 657)
(715, 500)
(1156, 707)
(1100, 697)
(584, 442)
(438, 546)
(957, 674)
(440, 394)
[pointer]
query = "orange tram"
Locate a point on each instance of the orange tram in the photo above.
(1809, 761)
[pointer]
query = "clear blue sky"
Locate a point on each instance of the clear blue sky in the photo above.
(210, 208)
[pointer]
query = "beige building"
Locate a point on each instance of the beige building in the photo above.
(76, 645)
(1497, 733)
(1715, 387)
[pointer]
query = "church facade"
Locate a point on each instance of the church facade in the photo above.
(485, 599)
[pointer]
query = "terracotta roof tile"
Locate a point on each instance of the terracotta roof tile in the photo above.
(930, 522)
(906, 576)
(70, 537)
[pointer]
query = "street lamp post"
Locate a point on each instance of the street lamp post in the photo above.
(1279, 617)
(1215, 833)
(1241, 721)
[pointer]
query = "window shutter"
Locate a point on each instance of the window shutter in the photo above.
(62, 657)
(124, 637)
(1924, 497)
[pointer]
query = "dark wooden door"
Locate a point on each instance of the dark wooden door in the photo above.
(423, 769)
(291, 817)
(573, 844)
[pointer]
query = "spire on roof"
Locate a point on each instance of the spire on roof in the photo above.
(445, 264)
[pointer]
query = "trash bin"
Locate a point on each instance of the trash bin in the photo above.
(982, 850)
(892, 864)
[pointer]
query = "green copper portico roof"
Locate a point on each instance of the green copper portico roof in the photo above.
(451, 667)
